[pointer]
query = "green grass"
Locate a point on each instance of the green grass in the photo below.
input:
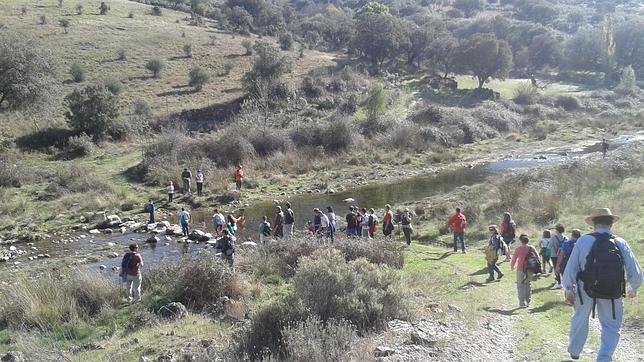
(459, 279)
(507, 87)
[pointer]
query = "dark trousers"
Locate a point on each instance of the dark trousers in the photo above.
(239, 185)
(170, 197)
(184, 229)
(407, 232)
(553, 260)
(491, 268)
(459, 237)
(199, 188)
(151, 218)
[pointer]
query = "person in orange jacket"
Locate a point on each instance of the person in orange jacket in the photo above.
(239, 177)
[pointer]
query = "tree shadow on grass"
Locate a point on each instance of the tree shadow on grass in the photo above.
(140, 77)
(443, 256)
(177, 92)
(501, 311)
(178, 57)
(483, 271)
(473, 283)
(541, 289)
(547, 306)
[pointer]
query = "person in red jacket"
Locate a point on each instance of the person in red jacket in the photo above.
(524, 276)
(388, 221)
(457, 224)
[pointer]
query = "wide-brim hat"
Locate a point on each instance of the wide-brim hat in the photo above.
(601, 212)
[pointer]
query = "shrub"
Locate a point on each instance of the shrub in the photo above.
(337, 137)
(363, 293)
(77, 72)
(23, 10)
(248, 46)
(312, 340)
(76, 179)
(79, 9)
(376, 251)
(78, 146)
(196, 282)
(121, 54)
(286, 41)
(263, 337)
(155, 66)
(376, 101)
(187, 50)
(198, 77)
(93, 110)
(268, 141)
(627, 81)
(114, 86)
(310, 89)
(47, 302)
(229, 150)
(227, 67)
(11, 173)
(156, 11)
(140, 317)
(568, 103)
(349, 104)
(525, 94)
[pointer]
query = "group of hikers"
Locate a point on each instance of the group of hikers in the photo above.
(186, 178)
(360, 223)
(596, 271)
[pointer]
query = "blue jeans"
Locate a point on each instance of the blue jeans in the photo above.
(491, 268)
(351, 232)
(184, 229)
(610, 328)
(457, 237)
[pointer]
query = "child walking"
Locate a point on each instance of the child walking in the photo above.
(524, 259)
(544, 251)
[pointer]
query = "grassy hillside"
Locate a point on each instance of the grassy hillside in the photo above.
(94, 41)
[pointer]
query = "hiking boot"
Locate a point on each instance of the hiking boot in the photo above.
(572, 356)
(500, 276)
(463, 251)
(490, 279)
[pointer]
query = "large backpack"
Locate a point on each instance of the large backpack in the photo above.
(532, 262)
(289, 217)
(566, 256)
(126, 264)
(603, 275)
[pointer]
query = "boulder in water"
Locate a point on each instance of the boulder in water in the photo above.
(347, 200)
(198, 235)
(153, 240)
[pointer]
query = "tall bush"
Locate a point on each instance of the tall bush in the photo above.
(93, 110)
(363, 293)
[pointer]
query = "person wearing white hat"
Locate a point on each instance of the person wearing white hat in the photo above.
(588, 289)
